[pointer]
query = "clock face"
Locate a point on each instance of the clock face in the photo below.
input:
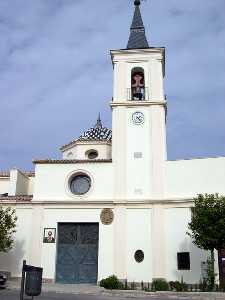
(138, 118)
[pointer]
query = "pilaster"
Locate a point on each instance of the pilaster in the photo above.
(119, 151)
(158, 242)
(120, 242)
(36, 235)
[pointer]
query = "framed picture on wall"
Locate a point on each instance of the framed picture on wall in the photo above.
(49, 235)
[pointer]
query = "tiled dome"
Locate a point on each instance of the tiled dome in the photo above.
(98, 133)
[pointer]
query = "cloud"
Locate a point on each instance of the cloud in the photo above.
(56, 73)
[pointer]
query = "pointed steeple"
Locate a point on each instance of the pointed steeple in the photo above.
(137, 39)
(99, 122)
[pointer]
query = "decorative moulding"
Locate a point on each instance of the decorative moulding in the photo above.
(68, 180)
(130, 103)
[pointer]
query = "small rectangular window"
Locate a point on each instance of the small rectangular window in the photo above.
(137, 154)
(183, 261)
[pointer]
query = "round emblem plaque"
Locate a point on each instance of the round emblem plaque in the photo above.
(107, 216)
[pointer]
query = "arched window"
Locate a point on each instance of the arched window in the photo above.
(137, 84)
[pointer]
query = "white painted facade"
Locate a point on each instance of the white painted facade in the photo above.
(150, 196)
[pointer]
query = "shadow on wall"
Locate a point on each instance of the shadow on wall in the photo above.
(197, 256)
(12, 261)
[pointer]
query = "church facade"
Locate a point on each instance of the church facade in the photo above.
(114, 204)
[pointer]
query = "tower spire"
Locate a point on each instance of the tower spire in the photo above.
(99, 122)
(137, 39)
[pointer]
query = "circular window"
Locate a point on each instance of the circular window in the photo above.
(139, 256)
(80, 184)
(92, 154)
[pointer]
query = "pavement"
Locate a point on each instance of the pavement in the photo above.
(53, 291)
(74, 289)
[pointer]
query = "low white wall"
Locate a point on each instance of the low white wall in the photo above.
(187, 178)
(177, 240)
(12, 261)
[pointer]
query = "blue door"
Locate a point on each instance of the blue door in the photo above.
(77, 253)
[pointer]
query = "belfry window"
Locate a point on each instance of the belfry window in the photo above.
(137, 84)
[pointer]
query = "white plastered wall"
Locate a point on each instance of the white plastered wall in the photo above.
(106, 247)
(187, 178)
(139, 152)
(79, 151)
(176, 220)
(150, 60)
(31, 185)
(4, 185)
(19, 183)
(159, 155)
(139, 238)
(143, 177)
(138, 155)
(112, 244)
(55, 185)
(12, 261)
(119, 151)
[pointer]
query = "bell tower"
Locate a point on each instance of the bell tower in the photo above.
(138, 116)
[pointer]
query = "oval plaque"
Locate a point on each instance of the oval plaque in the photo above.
(107, 216)
(139, 256)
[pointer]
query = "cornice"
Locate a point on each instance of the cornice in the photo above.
(137, 103)
(137, 51)
(94, 142)
(88, 142)
(70, 161)
(110, 202)
(196, 158)
(125, 55)
(16, 199)
(6, 174)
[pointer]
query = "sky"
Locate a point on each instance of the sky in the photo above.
(56, 72)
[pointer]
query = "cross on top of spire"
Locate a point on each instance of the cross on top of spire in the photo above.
(137, 39)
